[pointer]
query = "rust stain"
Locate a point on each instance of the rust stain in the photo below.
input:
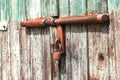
(117, 21)
(93, 77)
(110, 78)
(111, 53)
(112, 21)
(100, 57)
(85, 76)
(6, 60)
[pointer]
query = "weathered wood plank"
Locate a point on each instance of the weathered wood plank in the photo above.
(98, 43)
(5, 53)
(46, 57)
(0, 44)
(14, 51)
(14, 40)
(54, 8)
(65, 66)
(35, 41)
(54, 12)
(24, 43)
(40, 40)
(0, 57)
(78, 43)
(114, 33)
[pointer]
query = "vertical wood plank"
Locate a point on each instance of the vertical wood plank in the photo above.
(5, 53)
(65, 62)
(0, 44)
(39, 42)
(54, 8)
(45, 6)
(114, 32)
(13, 33)
(0, 56)
(78, 43)
(54, 13)
(98, 43)
(35, 41)
(24, 43)
(15, 51)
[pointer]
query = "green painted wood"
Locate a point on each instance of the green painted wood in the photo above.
(114, 32)
(98, 43)
(54, 8)
(64, 7)
(14, 10)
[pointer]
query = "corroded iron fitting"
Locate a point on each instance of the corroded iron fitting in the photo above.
(41, 22)
(88, 19)
(59, 45)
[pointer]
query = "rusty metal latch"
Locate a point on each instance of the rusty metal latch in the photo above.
(88, 19)
(60, 42)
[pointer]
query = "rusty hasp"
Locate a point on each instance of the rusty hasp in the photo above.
(88, 19)
(59, 43)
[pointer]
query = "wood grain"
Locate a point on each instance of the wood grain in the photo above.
(65, 60)
(92, 52)
(78, 33)
(114, 32)
(98, 43)
(5, 49)
(40, 61)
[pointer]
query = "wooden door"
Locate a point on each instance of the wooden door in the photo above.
(92, 51)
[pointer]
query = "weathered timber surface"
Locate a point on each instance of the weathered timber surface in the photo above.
(5, 73)
(92, 51)
(40, 59)
(98, 43)
(65, 67)
(114, 38)
(78, 47)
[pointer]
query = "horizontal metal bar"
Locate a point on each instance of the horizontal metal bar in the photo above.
(88, 19)
(33, 23)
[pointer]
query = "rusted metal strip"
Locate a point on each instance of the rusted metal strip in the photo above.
(88, 19)
(59, 43)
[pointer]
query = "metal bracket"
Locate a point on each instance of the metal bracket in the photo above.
(3, 25)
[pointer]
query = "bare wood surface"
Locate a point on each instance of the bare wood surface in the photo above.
(98, 43)
(114, 33)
